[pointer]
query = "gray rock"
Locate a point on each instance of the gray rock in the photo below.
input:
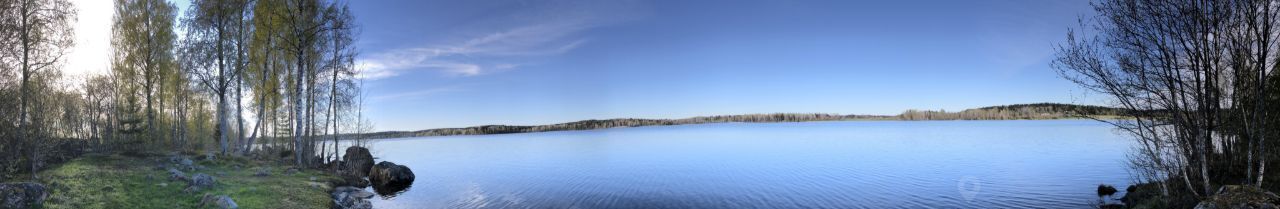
(351, 198)
(175, 158)
(362, 194)
(343, 191)
(1219, 205)
(182, 163)
(219, 201)
(352, 192)
(290, 171)
(263, 172)
(357, 161)
(1237, 196)
(349, 180)
(389, 174)
(200, 181)
(360, 204)
(22, 195)
(175, 174)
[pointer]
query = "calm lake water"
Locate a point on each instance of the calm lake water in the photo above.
(858, 164)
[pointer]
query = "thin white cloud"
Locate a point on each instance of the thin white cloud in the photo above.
(522, 42)
(547, 33)
(419, 93)
(463, 69)
(505, 66)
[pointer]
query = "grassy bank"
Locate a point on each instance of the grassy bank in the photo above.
(115, 181)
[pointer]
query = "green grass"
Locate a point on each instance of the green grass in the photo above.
(113, 181)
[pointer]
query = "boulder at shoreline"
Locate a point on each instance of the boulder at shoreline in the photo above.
(389, 174)
(358, 161)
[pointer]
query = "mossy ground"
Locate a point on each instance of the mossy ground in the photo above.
(115, 181)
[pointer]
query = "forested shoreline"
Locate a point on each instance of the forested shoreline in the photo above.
(222, 78)
(248, 86)
(1007, 112)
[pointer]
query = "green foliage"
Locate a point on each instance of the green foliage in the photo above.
(142, 43)
(34, 36)
(153, 98)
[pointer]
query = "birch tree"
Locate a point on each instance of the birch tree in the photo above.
(36, 36)
(142, 44)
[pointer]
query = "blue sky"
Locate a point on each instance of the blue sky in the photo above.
(437, 63)
(434, 64)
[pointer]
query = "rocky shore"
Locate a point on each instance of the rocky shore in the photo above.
(1147, 196)
(357, 171)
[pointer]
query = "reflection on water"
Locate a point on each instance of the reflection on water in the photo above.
(871, 164)
(390, 191)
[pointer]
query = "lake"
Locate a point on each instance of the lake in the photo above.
(846, 164)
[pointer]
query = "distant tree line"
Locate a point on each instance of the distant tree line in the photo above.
(286, 64)
(1023, 111)
(1015, 112)
(613, 123)
(1200, 76)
